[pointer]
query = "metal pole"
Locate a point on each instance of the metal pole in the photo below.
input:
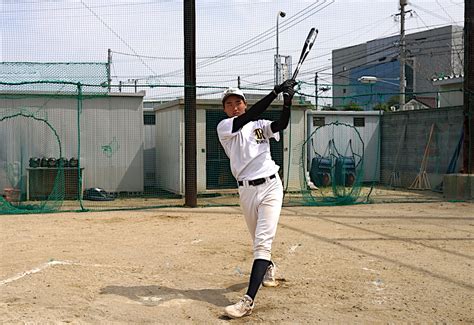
(277, 57)
(403, 3)
(316, 91)
(468, 145)
(109, 67)
(190, 103)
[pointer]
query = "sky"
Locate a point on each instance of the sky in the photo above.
(235, 39)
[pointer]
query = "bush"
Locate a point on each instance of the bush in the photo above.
(352, 106)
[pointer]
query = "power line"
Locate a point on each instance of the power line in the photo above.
(198, 58)
(117, 35)
(430, 12)
(257, 40)
(442, 8)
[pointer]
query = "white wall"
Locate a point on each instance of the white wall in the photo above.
(452, 98)
(201, 150)
(112, 143)
(170, 149)
(294, 136)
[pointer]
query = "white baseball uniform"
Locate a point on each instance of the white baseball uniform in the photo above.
(260, 187)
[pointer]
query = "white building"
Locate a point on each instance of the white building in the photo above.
(450, 90)
(213, 169)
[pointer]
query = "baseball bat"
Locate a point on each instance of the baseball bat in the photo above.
(308, 44)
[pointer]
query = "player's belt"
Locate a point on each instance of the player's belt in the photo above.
(257, 181)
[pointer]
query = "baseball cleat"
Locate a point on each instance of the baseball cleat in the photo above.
(243, 308)
(269, 279)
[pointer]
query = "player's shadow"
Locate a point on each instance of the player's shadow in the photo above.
(154, 295)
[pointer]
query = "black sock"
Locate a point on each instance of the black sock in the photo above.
(259, 268)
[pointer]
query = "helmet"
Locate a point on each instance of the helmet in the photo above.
(232, 91)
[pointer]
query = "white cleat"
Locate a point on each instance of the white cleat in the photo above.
(243, 308)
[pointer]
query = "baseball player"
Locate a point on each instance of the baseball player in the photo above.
(246, 141)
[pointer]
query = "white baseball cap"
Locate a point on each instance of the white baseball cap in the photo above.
(232, 91)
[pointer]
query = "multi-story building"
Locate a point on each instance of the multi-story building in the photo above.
(430, 54)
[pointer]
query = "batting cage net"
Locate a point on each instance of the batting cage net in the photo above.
(80, 136)
(74, 144)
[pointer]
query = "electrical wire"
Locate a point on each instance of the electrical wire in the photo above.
(259, 39)
(117, 35)
(430, 12)
(442, 8)
(197, 58)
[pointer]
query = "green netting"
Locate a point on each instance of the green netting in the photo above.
(55, 78)
(71, 146)
(24, 132)
(40, 105)
(336, 171)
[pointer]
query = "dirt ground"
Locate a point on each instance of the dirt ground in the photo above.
(377, 263)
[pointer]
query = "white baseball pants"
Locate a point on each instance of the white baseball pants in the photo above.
(261, 206)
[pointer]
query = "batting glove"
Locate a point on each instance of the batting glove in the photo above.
(290, 83)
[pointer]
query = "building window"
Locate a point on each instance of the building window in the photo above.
(359, 121)
(149, 119)
(343, 90)
(318, 121)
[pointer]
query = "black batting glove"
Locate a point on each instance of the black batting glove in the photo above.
(288, 94)
(290, 83)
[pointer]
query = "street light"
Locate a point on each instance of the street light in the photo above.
(372, 80)
(368, 79)
(277, 57)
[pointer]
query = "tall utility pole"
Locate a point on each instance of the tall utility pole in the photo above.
(468, 145)
(190, 177)
(403, 3)
(316, 91)
(109, 67)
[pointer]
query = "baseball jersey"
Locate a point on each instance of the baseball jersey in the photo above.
(248, 148)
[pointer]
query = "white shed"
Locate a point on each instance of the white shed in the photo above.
(111, 135)
(450, 90)
(346, 131)
(213, 170)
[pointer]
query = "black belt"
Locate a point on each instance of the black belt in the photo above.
(257, 181)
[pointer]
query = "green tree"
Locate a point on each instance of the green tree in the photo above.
(329, 108)
(381, 107)
(352, 106)
(393, 101)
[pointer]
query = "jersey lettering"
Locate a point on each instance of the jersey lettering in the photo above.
(259, 137)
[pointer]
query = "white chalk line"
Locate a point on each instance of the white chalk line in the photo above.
(45, 266)
(32, 271)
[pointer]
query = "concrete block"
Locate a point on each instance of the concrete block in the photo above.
(458, 186)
